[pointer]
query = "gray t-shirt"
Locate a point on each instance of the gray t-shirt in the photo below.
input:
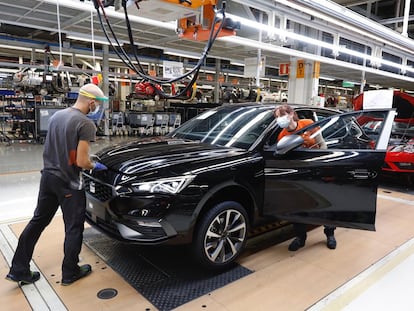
(66, 128)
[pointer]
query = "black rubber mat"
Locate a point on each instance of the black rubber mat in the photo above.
(164, 275)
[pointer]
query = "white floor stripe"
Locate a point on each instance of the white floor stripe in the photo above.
(40, 295)
(17, 201)
(387, 197)
(340, 292)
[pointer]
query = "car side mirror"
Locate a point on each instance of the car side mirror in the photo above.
(288, 143)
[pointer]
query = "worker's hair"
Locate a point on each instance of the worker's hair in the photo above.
(286, 109)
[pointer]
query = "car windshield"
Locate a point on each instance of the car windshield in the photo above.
(232, 126)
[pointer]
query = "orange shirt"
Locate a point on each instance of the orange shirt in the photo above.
(300, 125)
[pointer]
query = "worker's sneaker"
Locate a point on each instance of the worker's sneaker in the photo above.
(83, 271)
(331, 242)
(32, 277)
(296, 244)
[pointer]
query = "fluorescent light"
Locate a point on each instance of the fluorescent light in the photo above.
(327, 78)
(234, 74)
(110, 12)
(299, 54)
(283, 32)
(14, 47)
(355, 18)
(94, 40)
(237, 63)
(88, 56)
(9, 70)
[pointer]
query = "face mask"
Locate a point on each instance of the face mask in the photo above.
(283, 121)
(94, 112)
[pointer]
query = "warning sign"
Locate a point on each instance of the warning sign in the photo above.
(300, 69)
(284, 69)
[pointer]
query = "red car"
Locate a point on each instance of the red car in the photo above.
(399, 159)
(400, 153)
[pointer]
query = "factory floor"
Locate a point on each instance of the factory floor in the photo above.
(367, 270)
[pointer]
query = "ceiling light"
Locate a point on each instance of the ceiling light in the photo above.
(327, 78)
(14, 47)
(237, 63)
(339, 48)
(94, 40)
(299, 54)
(338, 13)
(110, 12)
(9, 70)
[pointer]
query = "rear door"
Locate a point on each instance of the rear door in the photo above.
(334, 182)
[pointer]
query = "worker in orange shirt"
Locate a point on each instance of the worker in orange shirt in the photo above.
(290, 123)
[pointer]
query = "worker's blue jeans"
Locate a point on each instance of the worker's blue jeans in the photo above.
(53, 192)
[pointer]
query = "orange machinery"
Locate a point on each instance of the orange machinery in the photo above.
(198, 28)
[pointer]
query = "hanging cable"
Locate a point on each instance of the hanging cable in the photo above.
(93, 41)
(140, 70)
(59, 33)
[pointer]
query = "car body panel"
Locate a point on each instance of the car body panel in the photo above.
(156, 191)
(400, 158)
(319, 187)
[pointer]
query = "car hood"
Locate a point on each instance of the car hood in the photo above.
(165, 156)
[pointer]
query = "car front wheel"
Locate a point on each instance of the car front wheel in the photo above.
(221, 235)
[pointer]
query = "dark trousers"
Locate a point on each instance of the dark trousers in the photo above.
(301, 229)
(53, 192)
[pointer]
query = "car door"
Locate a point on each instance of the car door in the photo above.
(335, 184)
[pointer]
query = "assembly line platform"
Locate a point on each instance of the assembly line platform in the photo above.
(267, 277)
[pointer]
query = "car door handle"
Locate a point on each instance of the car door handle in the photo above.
(362, 174)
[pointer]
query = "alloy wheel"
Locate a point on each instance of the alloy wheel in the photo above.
(225, 236)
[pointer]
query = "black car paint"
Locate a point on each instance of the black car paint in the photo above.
(252, 177)
(218, 169)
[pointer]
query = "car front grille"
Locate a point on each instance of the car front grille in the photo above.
(149, 233)
(98, 190)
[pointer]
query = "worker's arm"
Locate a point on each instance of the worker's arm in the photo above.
(82, 156)
(320, 141)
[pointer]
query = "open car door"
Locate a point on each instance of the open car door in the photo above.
(326, 174)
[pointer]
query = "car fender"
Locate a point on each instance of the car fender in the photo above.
(242, 194)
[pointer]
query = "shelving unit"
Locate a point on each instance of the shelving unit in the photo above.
(25, 118)
(18, 118)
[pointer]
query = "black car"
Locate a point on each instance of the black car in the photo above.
(221, 174)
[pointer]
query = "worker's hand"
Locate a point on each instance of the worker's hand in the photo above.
(97, 166)
(308, 141)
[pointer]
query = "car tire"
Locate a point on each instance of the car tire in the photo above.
(221, 235)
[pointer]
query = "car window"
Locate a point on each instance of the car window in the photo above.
(230, 127)
(303, 113)
(344, 131)
(314, 114)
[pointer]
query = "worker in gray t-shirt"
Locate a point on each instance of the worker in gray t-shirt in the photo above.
(66, 153)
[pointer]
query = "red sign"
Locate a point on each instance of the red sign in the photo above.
(284, 69)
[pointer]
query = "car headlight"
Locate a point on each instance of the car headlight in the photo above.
(167, 185)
